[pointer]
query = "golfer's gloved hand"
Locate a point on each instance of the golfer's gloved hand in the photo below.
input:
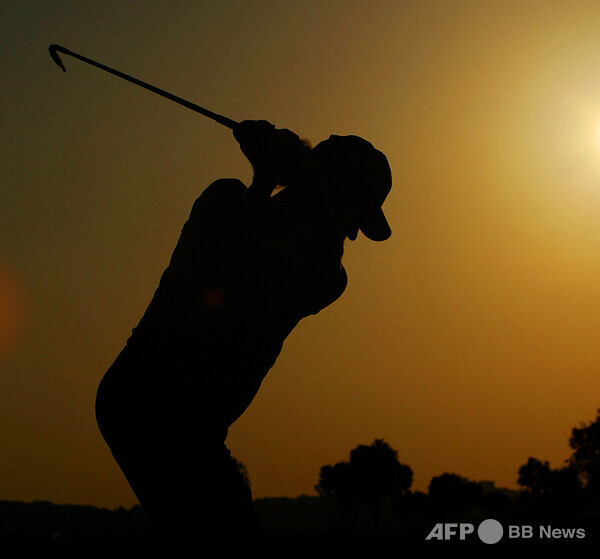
(275, 154)
(258, 143)
(249, 131)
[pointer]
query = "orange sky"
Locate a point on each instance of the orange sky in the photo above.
(468, 341)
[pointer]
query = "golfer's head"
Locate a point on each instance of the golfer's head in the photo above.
(361, 179)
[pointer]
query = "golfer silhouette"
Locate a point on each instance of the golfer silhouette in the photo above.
(249, 265)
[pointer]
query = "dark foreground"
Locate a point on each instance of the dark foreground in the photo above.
(306, 526)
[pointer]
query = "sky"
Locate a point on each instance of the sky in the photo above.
(467, 341)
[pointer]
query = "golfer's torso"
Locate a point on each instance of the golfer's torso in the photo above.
(237, 284)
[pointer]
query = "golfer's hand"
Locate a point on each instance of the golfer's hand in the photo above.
(274, 152)
(249, 131)
(259, 143)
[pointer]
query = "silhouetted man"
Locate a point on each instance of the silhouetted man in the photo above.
(249, 265)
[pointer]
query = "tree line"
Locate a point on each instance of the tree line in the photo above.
(370, 493)
(374, 479)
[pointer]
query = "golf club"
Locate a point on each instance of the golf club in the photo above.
(55, 49)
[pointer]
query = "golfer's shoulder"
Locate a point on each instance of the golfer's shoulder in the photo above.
(218, 193)
(223, 189)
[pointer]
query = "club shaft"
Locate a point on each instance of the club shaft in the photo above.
(229, 123)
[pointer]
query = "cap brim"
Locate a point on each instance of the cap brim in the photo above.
(376, 227)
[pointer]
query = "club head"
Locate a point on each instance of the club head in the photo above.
(56, 58)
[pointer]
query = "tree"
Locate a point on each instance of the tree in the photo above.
(585, 442)
(241, 468)
(452, 494)
(372, 474)
(377, 473)
(552, 492)
(535, 477)
(335, 484)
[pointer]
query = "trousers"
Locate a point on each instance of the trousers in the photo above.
(179, 468)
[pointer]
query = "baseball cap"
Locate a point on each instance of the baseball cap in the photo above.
(365, 171)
